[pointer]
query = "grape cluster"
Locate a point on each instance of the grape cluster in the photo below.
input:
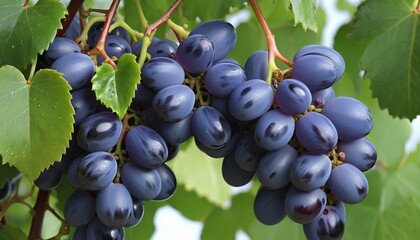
(306, 146)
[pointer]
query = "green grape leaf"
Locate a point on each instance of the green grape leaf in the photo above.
(390, 207)
(200, 173)
(391, 59)
(36, 119)
(305, 13)
(11, 233)
(190, 204)
(26, 31)
(116, 88)
(223, 224)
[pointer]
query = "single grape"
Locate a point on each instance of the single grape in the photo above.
(162, 48)
(96, 170)
(115, 47)
(80, 208)
(250, 100)
(174, 103)
(274, 168)
(269, 205)
(161, 72)
(248, 153)
(317, 72)
(221, 151)
(49, 179)
(99, 231)
(114, 205)
(360, 153)
(351, 118)
(293, 97)
(322, 51)
(210, 127)
(168, 183)
(222, 34)
(95, 32)
(143, 98)
(5, 191)
(316, 133)
(84, 103)
(221, 79)
(174, 133)
(233, 174)
(274, 130)
(348, 183)
(146, 147)
(173, 151)
(80, 233)
(329, 226)
(309, 172)
(195, 54)
(77, 69)
(304, 207)
(143, 183)
(222, 105)
(138, 212)
(72, 173)
(74, 30)
(256, 65)
(321, 97)
(58, 48)
(99, 132)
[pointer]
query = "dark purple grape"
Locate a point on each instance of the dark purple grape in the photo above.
(322, 51)
(222, 34)
(309, 172)
(5, 191)
(233, 174)
(137, 215)
(146, 147)
(161, 72)
(210, 127)
(329, 226)
(143, 183)
(348, 183)
(174, 103)
(221, 79)
(304, 207)
(222, 105)
(99, 132)
(80, 208)
(351, 118)
(115, 47)
(173, 151)
(114, 205)
(72, 173)
(77, 69)
(174, 133)
(221, 151)
(256, 65)
(195, 53)
(316, 133)
(321, 97)
(168, 183)
(274, 168)
(250, 100)
(162, 48)
(80, 233)
(293, 97)
(136, 47)
(84, 103)
(96, 170)
(99, 231)
(360, 153)
(317, 72)
(269, 205)
(49, 179)
(73, 31)
(274, 130)
(58, 48)
(143, 98)
(248, 153)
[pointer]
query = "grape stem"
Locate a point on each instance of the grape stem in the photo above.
(417, 10)
(143, 19)
(152, 27)
(273, 52)
(39, 209)
(100, 46)
(72, 9)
